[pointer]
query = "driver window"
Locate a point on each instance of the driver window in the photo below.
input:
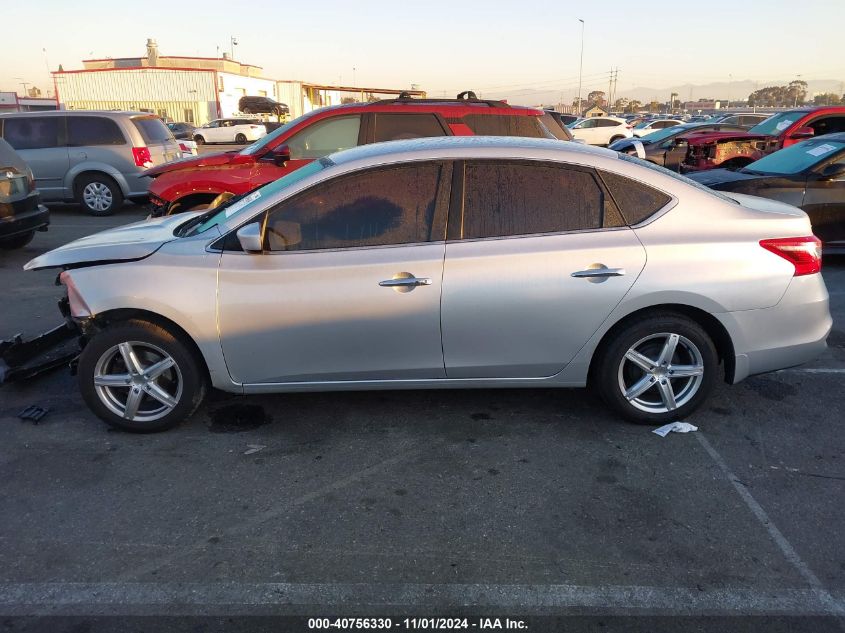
(828, 125)
(379, 207)
(325, 137)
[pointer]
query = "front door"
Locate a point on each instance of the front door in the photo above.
(824, 202)
(319, 139)
(532, 273)
(348, 287)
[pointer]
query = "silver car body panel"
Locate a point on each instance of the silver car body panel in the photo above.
(264, 321)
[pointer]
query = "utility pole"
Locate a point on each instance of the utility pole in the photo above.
(233, 41)
(24, 83)
(730, 81)
(580, 67)
(609, 89)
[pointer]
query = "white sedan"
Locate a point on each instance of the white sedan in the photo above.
(230, 131)
(647, 127)
(600, 130)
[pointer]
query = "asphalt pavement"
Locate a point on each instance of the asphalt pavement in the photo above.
(521, 502)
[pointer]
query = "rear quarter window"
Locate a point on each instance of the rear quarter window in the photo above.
(506, 125)
(152, 129)
(636, 201)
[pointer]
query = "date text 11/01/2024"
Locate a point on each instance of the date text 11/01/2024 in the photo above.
(431, 624)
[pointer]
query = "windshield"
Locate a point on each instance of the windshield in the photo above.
(796, 158)
(238, 204)
(776, 124)
(270, 139)
(576, 123)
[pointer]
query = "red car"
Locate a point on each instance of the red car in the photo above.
(734, 150)
(195, 183)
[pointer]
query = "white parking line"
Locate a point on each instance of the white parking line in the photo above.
(216, 598)
(836, 607)
(811, 370)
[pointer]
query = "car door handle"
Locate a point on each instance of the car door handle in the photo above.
(405, 281)
(599, 272)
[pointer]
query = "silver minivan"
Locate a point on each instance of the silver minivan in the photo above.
(95, 158)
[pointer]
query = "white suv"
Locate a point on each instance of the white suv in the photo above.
(600, 130)
(230, 131)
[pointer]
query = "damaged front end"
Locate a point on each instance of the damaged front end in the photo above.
(58, 347)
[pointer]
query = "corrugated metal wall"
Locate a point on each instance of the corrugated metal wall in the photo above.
(172, 92)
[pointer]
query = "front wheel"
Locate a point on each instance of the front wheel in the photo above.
(657, 369)
(137, 376)
(199, 140)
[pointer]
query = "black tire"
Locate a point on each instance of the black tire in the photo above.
(146, 338)
(107, 192)
(18, 241)
(240, 138)
(616, 138)
(199, 139)
(609, 371)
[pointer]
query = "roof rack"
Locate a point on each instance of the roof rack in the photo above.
(467, 96)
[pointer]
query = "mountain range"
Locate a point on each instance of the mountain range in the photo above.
(721, 90)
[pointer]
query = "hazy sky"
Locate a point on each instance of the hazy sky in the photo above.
(494, 47)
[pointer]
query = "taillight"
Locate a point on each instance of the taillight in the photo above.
(805, 253)
(142, 156)
(78, 307)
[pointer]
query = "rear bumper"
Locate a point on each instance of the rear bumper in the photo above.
(23, 216)
(791, 333)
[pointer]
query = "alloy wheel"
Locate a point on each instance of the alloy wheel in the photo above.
(138, 381)
(661, 372)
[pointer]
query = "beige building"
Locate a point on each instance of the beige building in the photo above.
(191, 89)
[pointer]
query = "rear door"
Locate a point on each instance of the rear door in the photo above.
(348, 287)
(525, 239)
(157, 138)
(40, 141)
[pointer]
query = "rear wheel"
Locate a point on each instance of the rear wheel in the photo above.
(99, 194)
(240, 138)
(616, 138)
(657, 369)
(199, 140)
(18, 241)
(137, 376)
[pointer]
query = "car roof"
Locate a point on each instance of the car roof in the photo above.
(116, 113)
(467, 147)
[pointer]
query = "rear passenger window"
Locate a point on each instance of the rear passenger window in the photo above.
(395, 127)
(504, 198)
(636, 201)
(376, 208)
(93, 130)
(32, 132)
(506, 125)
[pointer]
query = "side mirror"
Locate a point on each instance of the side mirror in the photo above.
(249, 237)
(834, 172)
(281, 155)
(803, 132)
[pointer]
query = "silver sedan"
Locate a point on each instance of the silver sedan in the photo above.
(448, 263)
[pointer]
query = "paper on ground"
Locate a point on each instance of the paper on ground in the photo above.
(677, 427)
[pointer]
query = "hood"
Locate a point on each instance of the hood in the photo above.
(707, 137)
(204, 160)
(717, 177)
(625, 144)
(124, 243)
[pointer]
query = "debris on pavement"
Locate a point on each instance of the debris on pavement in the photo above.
(676, 427)
(254, 448)
(33, 413)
